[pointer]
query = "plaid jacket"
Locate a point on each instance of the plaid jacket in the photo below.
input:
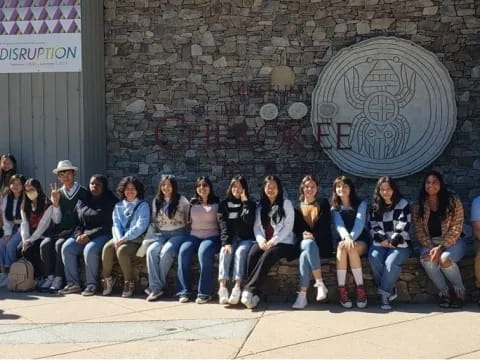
(452, 225)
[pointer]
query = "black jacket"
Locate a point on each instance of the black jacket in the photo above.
(241, 227)
(94, 215)
(321, 229)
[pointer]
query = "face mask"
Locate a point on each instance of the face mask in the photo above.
(32, 195)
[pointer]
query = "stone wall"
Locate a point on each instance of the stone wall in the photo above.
(185, 80)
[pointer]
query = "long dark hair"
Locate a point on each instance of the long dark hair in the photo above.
(160, 198)
(5, 175)
(446, 203)
(135, 182)
(378, 204)
(271, 211)
(354, 199)
(212, 199)
(11, 197)
(41, 199)
(242, 182)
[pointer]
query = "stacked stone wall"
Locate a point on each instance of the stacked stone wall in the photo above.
(185, 81)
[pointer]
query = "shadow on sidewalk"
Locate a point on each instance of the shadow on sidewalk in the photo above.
(4, 316)
(373, 308)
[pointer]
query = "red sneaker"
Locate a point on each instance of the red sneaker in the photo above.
(361, 297)
(344, 299)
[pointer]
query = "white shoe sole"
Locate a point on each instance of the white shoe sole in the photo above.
(361, 305)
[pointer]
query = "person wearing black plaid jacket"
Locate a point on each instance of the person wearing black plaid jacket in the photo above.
(390, 221)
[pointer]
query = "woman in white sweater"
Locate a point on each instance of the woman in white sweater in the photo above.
(167, 232)
(38, 213)
(274, 237)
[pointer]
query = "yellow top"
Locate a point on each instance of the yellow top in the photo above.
(310, 213)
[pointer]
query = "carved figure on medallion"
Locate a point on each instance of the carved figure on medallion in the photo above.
(380, 130)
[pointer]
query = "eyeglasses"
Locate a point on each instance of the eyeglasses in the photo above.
(202, 185)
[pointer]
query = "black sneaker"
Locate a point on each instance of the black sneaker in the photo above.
(444, 301)
(393, 295)
(457, 302)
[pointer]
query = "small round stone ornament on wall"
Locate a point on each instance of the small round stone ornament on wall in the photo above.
(297, 110)
(269, 111)
(384, 106)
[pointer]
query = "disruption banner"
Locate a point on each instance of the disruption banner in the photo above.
(40, 36)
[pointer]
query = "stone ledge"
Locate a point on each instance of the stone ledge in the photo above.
(413, 285)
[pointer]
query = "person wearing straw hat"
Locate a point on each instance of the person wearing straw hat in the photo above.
(65, 199)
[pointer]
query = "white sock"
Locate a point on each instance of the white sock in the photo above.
(341, 277)
(318, 282)
(358, 276)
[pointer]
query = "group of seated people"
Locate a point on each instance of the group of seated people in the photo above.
(250, 237)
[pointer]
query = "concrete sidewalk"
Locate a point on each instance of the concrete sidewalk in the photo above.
(34, 325)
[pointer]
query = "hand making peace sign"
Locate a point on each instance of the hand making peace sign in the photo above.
(55, 194)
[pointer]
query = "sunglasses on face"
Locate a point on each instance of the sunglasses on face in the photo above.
(202, 185)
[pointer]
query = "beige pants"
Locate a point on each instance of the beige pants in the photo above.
(125, 254)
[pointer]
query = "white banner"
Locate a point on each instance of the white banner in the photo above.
(41, 53)
(40, 36)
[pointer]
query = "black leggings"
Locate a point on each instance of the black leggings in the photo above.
(32, 254)
(259, 263)
(51, 255)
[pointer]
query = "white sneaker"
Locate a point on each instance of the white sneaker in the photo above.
(301, 301)
(57, 283)
(235, 296)
(3, 280)
(223, 295)
(322, 290)
(108, 285)
(46, 283)
(246, 298)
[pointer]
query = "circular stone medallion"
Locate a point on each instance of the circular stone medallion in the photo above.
(269, 111)
(297, 110)
(384, 106)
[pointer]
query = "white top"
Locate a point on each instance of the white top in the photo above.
(283, 231)
(50, 214)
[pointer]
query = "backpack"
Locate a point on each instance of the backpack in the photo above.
(20, 277)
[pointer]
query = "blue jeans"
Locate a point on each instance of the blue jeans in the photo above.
(437, 274)
(239, 254)
(386, 266)
(309, 261)
(160, 256)
(91, 254)
(206, 251)
(8, 253)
